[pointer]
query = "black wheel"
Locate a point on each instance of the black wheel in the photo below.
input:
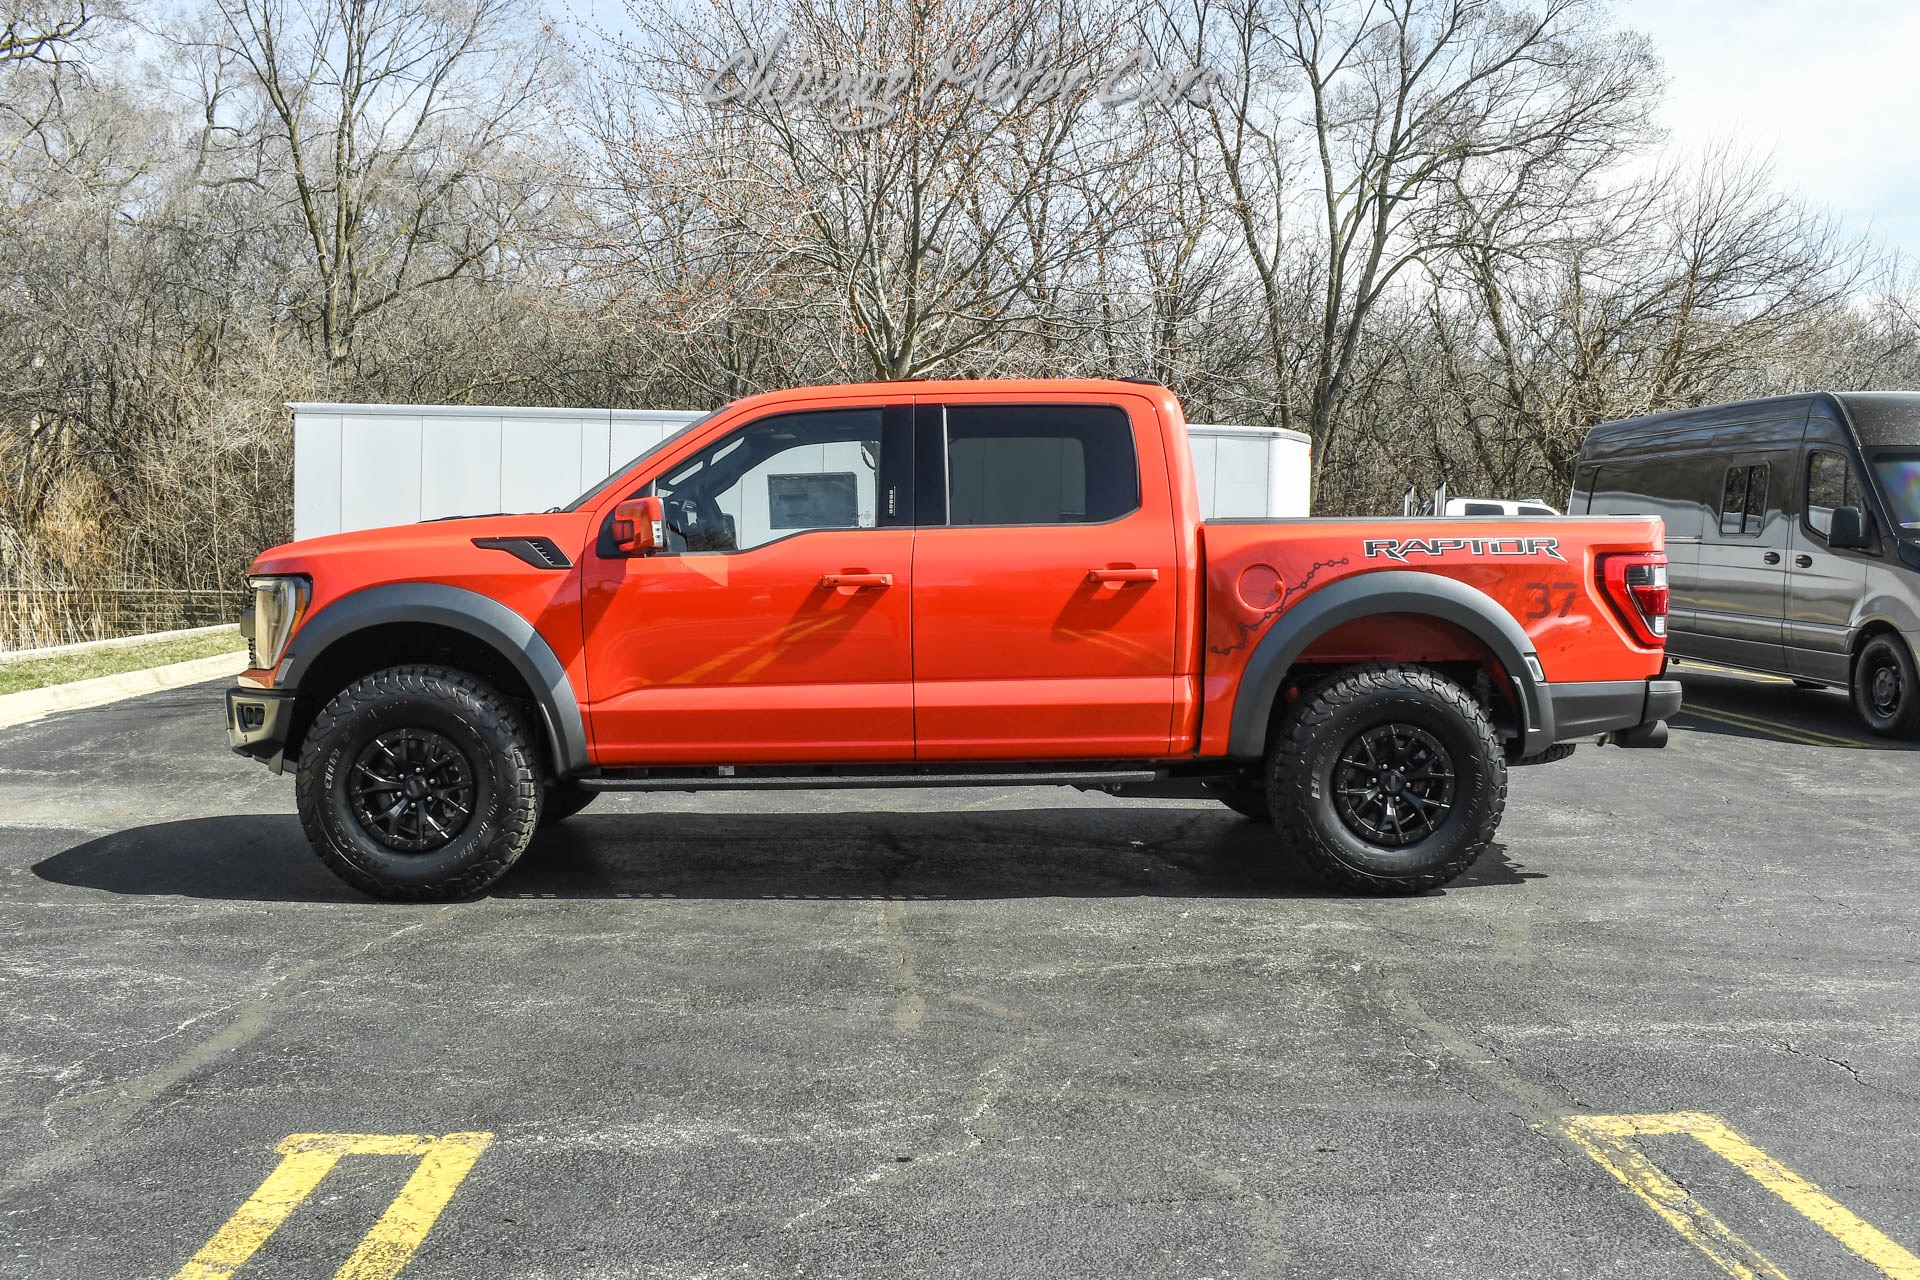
(1886, 692)
(1245, 797)
(564, 799)
(419, 782)
(1388, 779)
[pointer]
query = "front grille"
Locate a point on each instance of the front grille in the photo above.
(253, 655)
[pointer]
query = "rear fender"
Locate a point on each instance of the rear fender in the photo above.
(1397, 592)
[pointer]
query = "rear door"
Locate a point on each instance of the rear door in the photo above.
(1740, 595)
(1044, 583)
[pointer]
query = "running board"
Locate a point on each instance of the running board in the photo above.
(770, 780)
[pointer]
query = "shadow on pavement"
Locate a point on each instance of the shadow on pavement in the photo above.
(972, 854)
(1769, 709)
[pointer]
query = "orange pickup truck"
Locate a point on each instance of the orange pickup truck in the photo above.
(940, 584)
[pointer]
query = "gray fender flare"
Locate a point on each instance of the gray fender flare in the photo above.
(1390, 591)
(457, 609)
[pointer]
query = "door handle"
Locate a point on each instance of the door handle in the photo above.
(1803, 562)
(1772, 557)
(855, 580)
(1121, 577)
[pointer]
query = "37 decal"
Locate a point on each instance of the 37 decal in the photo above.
(1400, 548)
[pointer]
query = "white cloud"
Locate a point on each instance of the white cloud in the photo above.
(1831, 91)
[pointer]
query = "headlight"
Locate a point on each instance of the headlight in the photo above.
(278, 603)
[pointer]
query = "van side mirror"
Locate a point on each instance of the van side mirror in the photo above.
(639, 526)
(1848, 532)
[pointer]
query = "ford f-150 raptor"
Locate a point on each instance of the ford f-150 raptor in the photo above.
(940, 584)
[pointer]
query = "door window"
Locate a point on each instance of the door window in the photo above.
(1039, 464)
(774, 478)
(1830, 484)
(1743, 503)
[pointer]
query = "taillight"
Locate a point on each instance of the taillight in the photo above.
(1636, 587)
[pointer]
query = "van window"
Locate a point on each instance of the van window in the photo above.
(1830, 484)
(1040, 464)
(1483, 509)
(1743, 503)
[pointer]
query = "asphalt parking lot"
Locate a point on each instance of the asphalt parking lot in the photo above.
(1670, 1027)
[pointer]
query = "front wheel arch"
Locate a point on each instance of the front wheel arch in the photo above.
(428, 622)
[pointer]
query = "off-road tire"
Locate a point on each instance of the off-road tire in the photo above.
(563, 800)
(1886, 658)
(1333, 717)
(473, 717)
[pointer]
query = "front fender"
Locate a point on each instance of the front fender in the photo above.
(459, 609)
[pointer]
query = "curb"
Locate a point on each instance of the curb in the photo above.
(32, 704)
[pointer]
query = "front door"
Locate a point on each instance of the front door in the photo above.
(1740, 598)
(1044, 584)
(1824, 587)
(776, 626)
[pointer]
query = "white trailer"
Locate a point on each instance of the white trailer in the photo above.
(362, 466)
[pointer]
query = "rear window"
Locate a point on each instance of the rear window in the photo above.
(1040, 464)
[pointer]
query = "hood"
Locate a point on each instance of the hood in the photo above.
(400, 551)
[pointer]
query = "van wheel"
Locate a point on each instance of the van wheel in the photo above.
(1388, 780)
(1886, 691)
(419, 782)
(564, 799)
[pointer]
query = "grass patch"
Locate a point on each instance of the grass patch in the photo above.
(37, 673)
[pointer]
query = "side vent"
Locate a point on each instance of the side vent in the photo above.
(541, 553)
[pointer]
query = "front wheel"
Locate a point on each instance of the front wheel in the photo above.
(1388, 780)
(419, 782)
(1886, 691)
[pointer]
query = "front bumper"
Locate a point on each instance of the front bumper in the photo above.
(1633, 712)
(257, 724)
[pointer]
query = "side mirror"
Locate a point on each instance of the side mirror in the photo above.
(639, 526)
(1849, 530)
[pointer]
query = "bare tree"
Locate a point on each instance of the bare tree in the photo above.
(382, 122)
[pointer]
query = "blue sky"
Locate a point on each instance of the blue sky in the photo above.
(1829, 90)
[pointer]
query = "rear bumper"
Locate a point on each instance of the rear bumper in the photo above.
(257, 723)
(1634, 711)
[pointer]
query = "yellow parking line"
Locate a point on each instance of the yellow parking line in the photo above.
(1609, 1140)
(307, 1158)
(1807, 737)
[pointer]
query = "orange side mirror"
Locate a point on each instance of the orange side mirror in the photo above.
(639, 526)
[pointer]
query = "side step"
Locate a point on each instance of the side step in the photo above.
(730, 778)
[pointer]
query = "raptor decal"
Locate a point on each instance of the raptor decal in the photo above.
(1400, 548)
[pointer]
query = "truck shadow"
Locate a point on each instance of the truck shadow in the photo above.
(974, 854)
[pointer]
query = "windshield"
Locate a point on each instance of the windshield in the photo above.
(1899, 477)
(629, 465)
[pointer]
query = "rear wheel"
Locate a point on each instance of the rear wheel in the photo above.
(1388, 779)
(419, 782)
(1886, 691)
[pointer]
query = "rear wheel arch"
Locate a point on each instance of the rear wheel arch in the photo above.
(418, 622)
(1286, 647)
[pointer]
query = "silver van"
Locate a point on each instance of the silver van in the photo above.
(1793, 535)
